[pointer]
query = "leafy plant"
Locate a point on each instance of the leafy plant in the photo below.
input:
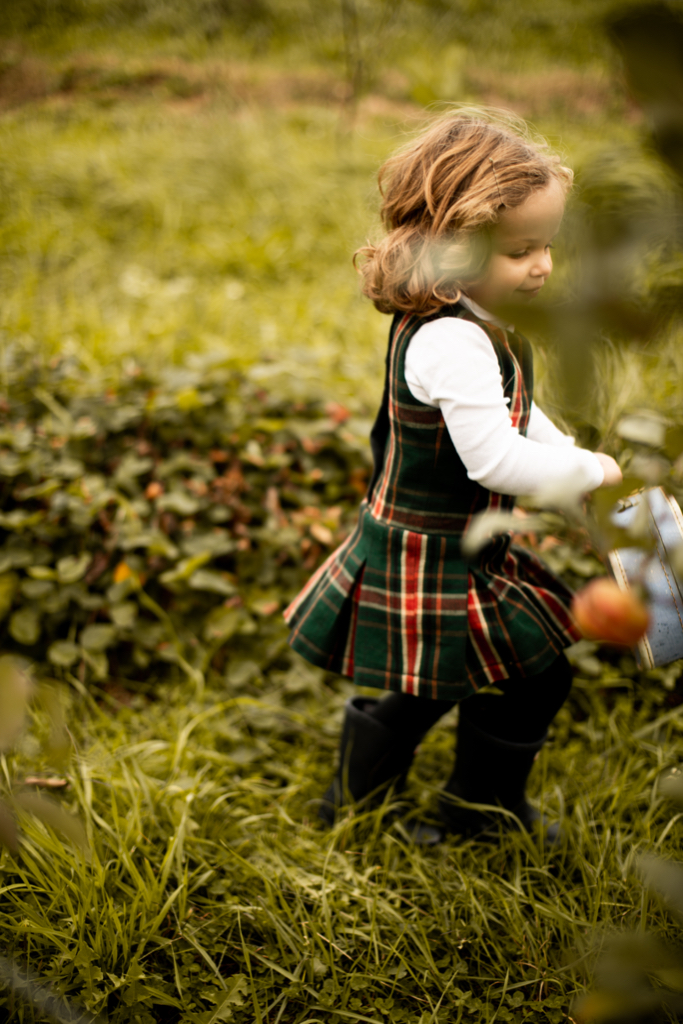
(16, 690)
(150, 525)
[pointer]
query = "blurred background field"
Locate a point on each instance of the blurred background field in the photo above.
(175, 184)
(188, 375)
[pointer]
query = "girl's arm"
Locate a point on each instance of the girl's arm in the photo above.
(451, 364)
(542, 429)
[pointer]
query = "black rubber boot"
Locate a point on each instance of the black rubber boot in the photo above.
(371, 759)
(490, 771)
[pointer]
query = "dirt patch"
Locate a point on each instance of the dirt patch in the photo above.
(184, 85)
(23, 80)
(565, 92)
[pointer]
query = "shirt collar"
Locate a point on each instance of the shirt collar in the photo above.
(484, 314)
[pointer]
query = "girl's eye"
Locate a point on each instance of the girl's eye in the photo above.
(521, 255)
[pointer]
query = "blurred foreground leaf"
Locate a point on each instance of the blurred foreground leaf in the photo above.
(51, 813)
(15, 693)
(650, 38)
(9, 835)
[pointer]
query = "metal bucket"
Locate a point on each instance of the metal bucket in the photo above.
(663, 641)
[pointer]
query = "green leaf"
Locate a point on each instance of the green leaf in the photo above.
(84, 955)
(122, 416)
(184, 569)
(132, 466)
(237, 990)
(139, 993)
(72, 568)
(124, 615)
(185, 462)
(149, 634)
(15, 558)
(603, 503)
(486, 525)
(8, 587)
(42, 490)
(156, 542)
(97, 637)
(11, 464)
(212, 581)
(649, 430)
(24, 626)
(98, 662)
(222, 623)
(188, 399)
(69, 469)
(90, 974)
(214, 543)
(63, 653)
(673, 443)
(20, 519)
(41, 572)
(34, 590)
(180, 502)
(135, 973)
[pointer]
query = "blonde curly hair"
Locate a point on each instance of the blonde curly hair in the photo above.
(441, 196)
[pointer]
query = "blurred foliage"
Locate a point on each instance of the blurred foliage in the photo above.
(177, 233)
(26, 796)
(628, 286)
(650, 38)
(627, 228)
(371, 29)
(152, 523)
(640, 977)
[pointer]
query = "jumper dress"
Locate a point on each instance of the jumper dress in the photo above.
(398, 606)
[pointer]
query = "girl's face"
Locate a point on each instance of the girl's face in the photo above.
(520, 262)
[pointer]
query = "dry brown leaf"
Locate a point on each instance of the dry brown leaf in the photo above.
(45, 782)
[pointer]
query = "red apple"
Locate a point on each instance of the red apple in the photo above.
(605, 612)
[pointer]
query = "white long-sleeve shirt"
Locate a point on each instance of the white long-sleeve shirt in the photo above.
(451, 364)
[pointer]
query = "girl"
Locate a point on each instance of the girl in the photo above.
(471, 207)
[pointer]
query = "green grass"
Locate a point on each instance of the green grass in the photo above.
(147, 219)
(208, 875)
(134, 219)
(181, 232)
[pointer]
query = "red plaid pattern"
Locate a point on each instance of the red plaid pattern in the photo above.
(397, 606)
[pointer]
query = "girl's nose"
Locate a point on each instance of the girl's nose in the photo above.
(543, 266)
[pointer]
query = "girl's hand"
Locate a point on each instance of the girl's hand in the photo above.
(613, 474)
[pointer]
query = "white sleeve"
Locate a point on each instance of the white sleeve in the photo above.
(451, 364)
(542, 429)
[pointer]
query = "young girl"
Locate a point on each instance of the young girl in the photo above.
(471, 208)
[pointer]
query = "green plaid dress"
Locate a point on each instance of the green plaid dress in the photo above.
(398, 606)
